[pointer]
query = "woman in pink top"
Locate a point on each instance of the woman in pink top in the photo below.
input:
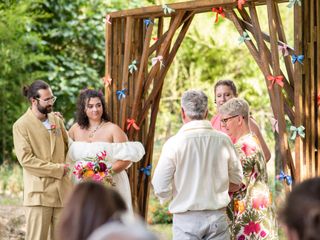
(225, 90)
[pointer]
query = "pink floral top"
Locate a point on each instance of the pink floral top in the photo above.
(251, 210)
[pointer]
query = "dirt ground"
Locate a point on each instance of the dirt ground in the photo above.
(12, 223)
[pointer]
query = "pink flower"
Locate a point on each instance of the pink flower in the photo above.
(263, 234)
(260, 201)
(248, 149)
(252, 227)
(90, 165)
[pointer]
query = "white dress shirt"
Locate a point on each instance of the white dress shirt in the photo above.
(195, 169)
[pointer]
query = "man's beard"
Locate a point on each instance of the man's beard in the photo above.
(44, 110)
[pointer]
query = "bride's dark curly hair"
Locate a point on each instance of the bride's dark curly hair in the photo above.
(84, 97)
(302, 210)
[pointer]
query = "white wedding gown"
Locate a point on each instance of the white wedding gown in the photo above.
(133, 151)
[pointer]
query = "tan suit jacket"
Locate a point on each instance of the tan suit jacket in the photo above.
(42, 154)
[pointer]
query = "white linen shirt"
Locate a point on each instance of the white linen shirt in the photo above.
(195, 169)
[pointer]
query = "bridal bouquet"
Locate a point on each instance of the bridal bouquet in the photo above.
(97, 169)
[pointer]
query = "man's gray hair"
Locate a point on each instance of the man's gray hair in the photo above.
(194, 104)
(235, 106)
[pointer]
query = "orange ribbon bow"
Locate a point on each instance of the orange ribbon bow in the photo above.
(275, 79)
(241, 3)
(218, 11)
(132, 122)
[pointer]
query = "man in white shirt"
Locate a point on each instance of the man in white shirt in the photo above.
(196, 168)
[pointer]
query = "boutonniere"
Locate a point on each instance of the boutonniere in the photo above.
(53, 128)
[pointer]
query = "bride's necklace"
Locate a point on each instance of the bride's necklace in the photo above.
(93, 131)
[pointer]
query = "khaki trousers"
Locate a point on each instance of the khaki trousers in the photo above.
(41, 222)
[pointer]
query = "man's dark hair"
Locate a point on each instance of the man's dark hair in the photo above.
(32, 91)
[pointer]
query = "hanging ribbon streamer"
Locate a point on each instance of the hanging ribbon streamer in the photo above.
(107, 80)
(297, 131)
(147, 22)
(296, 58)
(244, 37)
(241, 3)
(132, 122)
(121, 94)
(275, 79)
(167, 10)
(294, 2)
(146, 170)
(133, 66)
(318, 100)
(157, 59)
(282, 176)
(283, 49)
(108, 19)
(274, 124)
(218, 11)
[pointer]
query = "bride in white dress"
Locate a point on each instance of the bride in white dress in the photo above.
(94, 133)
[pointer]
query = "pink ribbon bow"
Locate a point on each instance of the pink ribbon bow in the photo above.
(275, 79)
(107, 80)
(274, 125)
(157, 59)
(241, 3)
(284, 49)
(318, 100)
(218, 11)
(108, 17)
(132, 122)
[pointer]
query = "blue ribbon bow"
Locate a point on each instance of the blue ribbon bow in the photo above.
(121, 93)
(297, 130)
(147, 22)
(293, 2)
(146, 170)
(285, 177)
(296, 58)
(133, 66)
(167, 10)
(244, 37)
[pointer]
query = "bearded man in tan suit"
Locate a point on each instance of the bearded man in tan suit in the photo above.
(41, 142)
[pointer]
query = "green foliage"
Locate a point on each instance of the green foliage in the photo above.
(11, 179)
(20, 48)
(158, 214)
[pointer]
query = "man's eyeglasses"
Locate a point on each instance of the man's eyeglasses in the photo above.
(48, 100)
(225, 120)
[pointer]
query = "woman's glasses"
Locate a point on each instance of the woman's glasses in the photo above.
(225, 120)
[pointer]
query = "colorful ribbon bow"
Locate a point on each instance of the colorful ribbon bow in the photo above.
(167, 10)
(146, 170)
(121, 93)
(147, 22)
(241, 3)
(218, 11)
(283, 49)
(155, 39)
(318, 100)
(107, 80)
(295, 131)
(275, 79)
(108, 19)
(282, 176)
(274, 125)
(296, 58)
(244, 37)
(133, 66)
(157, 59)
(132, 122)
(293, 2)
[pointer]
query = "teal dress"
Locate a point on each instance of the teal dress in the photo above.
(251, 210)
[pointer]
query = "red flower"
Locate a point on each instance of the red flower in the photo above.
(252, 227)
(102, 166)
(242, 237)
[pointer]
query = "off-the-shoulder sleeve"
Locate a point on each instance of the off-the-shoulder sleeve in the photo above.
(132, 151)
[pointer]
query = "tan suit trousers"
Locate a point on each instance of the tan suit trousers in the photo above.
(41, 222)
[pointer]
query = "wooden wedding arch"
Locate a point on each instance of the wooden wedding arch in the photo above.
(136, 68)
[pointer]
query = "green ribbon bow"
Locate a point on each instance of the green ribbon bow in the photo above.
(295, 131)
